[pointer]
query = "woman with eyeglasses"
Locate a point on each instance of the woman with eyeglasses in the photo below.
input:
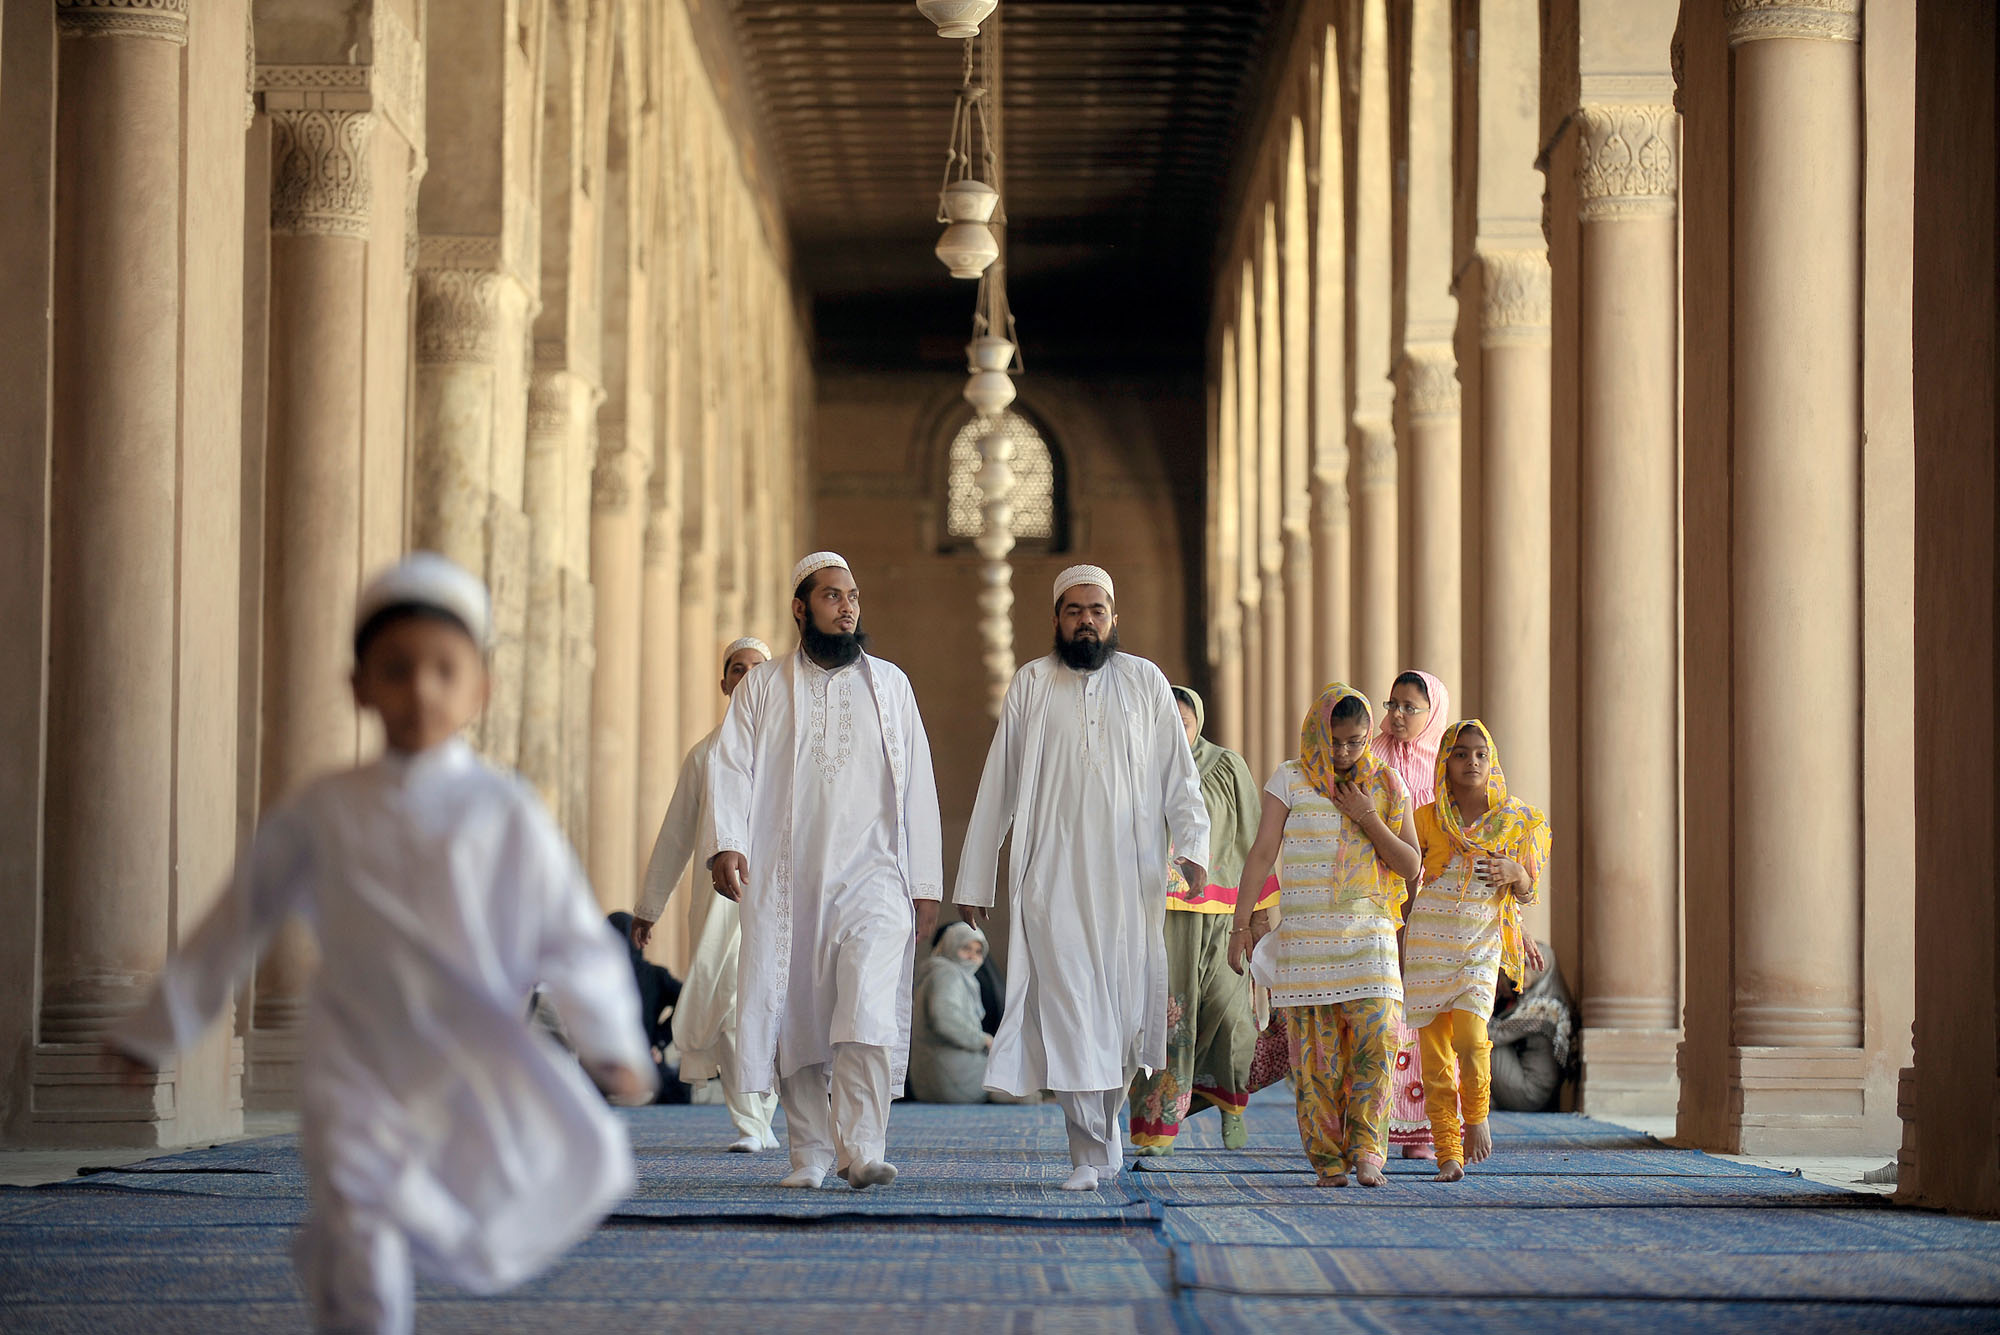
(1413, 723)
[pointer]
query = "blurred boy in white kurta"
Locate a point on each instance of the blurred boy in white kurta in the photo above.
(441, 1134)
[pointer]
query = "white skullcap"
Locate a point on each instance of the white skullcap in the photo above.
(747, 642)
(817, 561)
(425, 579)
(1076, 575)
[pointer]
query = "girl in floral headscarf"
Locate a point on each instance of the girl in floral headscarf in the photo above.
(1483, 855)
(1341, 820)
(1413, 722)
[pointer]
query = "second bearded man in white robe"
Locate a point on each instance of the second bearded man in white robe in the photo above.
(823, 818)
(1091, 770)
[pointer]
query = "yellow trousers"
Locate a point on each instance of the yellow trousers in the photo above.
(1458, 1073)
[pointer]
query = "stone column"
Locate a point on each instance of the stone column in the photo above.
(660, 668)
(560, 403)
(1951, 1099)
(1429, 390)
(1795, 567)
(1279, 732)
(1514, 495)
(1226, 716)
(617, 553)
(1627, 848)
(1249, 587)
(320, 220)
(111, 776)
(1332, 556)
(1373, 467)
(1295, 512)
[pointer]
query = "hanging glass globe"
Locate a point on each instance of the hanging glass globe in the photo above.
(957, 18)
(989, 392)
(967, 249)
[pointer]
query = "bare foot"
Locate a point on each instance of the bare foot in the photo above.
(1478, 1143)
(1449, 1170)
(1331, 1180)
(1370, 1175)
(1420, 1152)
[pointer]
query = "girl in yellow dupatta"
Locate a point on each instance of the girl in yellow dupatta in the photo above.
(1340, 819)
(1483, 853)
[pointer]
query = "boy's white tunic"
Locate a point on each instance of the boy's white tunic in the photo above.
(1092, 771)
(708, 995)
(440, 893)
(823, 781)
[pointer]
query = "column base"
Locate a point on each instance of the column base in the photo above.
(1792, 1100)
(82, 1096)
(1630, 1073)
(1909, 1186)
(277, 1056)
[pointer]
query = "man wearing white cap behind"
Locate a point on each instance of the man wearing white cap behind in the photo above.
(705, 1015)
(823, 823)
(1090, 768)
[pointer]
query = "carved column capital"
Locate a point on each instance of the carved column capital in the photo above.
(618, 475)
(458, 315)
(1627, 161)
(159, 20)
(1375, 446)
(1429, 381)
(663, 536)
(321, 180)
(1799, 20)
(548, 405)
(1515, 308)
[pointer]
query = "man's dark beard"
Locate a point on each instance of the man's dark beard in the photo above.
(832, 651)
(1087, 653)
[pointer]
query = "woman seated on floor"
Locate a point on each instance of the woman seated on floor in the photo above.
(947, 1043)
(1532, 1032)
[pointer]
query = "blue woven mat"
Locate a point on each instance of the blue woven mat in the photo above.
(1573, 1224)
(1228, 1315)
(1519, 1159)
(1407, 1191)
(1746, 1230)
(1596, 1272)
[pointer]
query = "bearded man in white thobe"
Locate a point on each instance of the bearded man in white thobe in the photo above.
(823, 823)
(705, 1015)
(1091, 769)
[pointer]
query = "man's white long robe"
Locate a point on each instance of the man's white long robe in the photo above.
(440, 893)
(1092, 772)
(823, 782)
(708, 994)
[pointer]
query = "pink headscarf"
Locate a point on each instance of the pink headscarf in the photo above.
(1416, 761)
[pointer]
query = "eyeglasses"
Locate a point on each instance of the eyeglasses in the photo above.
(1392, 707)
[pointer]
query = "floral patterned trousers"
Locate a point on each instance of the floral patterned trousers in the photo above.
(1341, 1074)
(1210, 1036)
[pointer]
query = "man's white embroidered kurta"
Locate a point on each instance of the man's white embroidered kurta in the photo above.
(823, 781)
(440, 893)
(1092, 771)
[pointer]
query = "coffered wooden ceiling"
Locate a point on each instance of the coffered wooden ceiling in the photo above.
(1123, 119)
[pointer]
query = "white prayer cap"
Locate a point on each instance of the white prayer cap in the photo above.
(747, 642)
(1076, 575)
(817, 561)
(426, 579)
